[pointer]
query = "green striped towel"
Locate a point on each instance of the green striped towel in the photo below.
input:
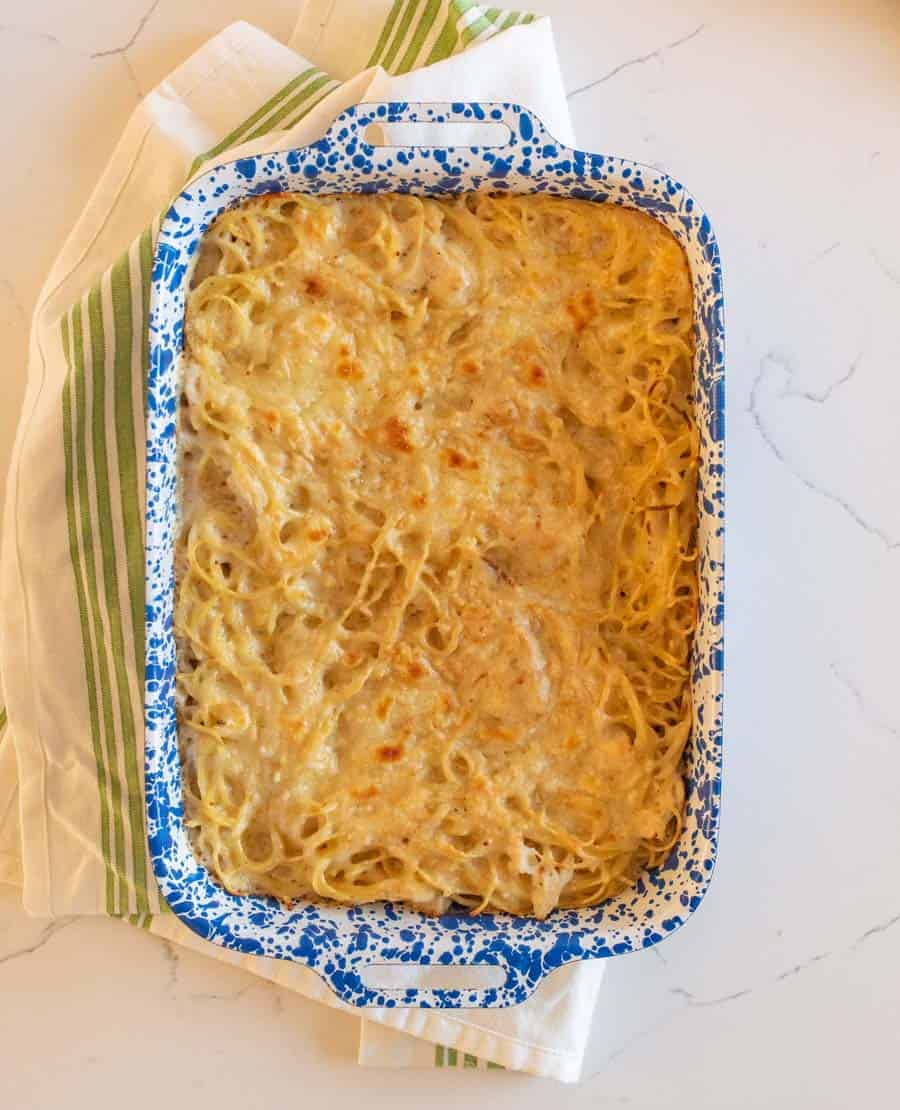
(71, 570)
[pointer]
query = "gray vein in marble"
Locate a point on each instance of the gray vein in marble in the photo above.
(688, 1001)
(27, 32)
(856, 693)
(223, 996)
(640, 1035)
(821, 397)
(889, 272)
(693, 1000)
(658, 53)
(120, 51)
(171, 956)
(145, 18)
(767, 437)
(802, 966)
(819, 255)
(881, 927)
(46, 934)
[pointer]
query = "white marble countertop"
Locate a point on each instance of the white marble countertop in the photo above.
(784, 991)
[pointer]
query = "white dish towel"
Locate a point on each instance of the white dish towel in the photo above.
(71, 572)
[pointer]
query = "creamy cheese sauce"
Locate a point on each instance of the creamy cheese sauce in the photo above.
(436, 569)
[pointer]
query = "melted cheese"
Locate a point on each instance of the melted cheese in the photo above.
(436, 570)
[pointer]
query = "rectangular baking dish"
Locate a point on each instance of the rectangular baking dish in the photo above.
(340, 943)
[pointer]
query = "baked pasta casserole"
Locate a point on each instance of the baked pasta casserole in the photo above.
(436, 563)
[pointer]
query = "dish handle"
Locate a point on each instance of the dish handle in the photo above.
(407, 124)
(496, 979)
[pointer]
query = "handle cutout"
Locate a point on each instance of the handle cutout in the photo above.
(396, 977)
(453, 133)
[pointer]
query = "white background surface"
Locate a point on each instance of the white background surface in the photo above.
(784, 120)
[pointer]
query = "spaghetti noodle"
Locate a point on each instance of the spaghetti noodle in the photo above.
(436, 580)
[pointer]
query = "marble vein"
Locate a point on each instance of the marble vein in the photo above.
(46, 934)
(222, 996)
(881, 927)
(640, 60)
(640, 1035)
(819, 255)
(173, 961)
(120, 51)
(693, 1000)
(755, 413)
(145, 18)
(859, 698)
(802, 966)
(689, 1001)
(889, 272)
(821, 397)
(27, 32)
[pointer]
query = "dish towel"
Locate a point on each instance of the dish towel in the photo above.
(71, 567)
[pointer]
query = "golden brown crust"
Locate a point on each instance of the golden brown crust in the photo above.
(436, 581)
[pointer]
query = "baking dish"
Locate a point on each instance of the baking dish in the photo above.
(341, 943)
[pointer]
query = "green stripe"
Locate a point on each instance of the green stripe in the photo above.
(308, 107)
(470, 1061)
(512, 18)
(385, 33)
(126, 446)
(451, 1057)
(438, 1055)
(474, 29)
(110, 581)
(74, 441)
(2, 716)
(447, 40)
(493, 14)
(429, 15)
(499, 1067)
(126, 458)
(286, 109)
(233, 136)
(528, 17)
(146, 249)
(399, 35)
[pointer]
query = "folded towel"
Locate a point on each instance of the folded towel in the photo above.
(71, 568)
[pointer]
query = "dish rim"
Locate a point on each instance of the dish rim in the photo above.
(341, 959)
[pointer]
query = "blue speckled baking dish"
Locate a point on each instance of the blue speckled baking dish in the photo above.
(337, 942)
